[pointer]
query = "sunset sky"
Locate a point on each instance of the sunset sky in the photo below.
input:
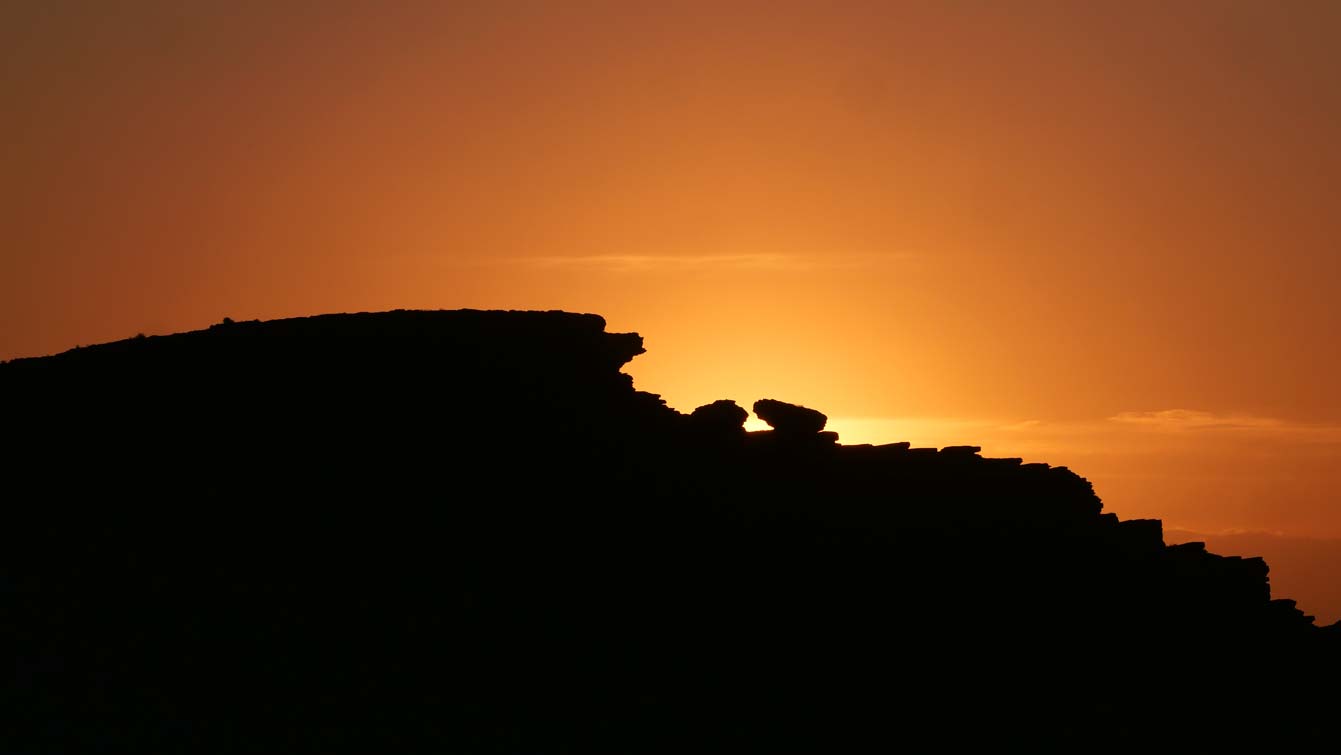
(1101, 235)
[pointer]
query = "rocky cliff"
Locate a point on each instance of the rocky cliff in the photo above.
(467, 531)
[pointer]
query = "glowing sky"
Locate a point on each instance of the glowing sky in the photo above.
(1106, 237)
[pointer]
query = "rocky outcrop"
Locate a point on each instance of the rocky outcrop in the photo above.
(468, 532)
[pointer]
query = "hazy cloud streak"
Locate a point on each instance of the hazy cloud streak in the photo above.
(654, 263)
(1189, 420)
(1123, 433)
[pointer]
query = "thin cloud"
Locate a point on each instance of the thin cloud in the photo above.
(1022, 426)
(1182, 534)
(1241, 425)
(1124, 434)
(1183, 420)
(653, 263)
(1123, 423)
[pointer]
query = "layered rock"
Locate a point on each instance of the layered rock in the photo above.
(466, 531)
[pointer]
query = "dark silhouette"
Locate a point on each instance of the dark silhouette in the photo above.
(789, 418)
(722, 418)
(467, 532)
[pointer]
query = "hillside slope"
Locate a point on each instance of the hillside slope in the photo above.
(467, 531)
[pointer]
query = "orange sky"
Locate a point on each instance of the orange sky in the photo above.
(1100, 237)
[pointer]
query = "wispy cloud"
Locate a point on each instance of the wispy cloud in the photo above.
(1174, 534)
(653, 263)
(1022, 426)
(1193, 421)
(1183, 420)
(1133, 432)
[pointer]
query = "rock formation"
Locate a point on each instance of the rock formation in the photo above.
(724, 416)
(468, 532)
(789, 419)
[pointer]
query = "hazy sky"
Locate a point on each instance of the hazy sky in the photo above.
(1101, 235)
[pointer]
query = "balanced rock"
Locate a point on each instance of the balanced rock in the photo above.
(789, 418)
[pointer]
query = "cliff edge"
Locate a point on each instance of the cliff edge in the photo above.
(468, 531)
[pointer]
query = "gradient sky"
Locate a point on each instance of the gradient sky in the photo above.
(1105, 237)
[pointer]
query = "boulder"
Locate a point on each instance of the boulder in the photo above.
(725, 416)
(789, 418)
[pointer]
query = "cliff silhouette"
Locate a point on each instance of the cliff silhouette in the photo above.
(467, 531)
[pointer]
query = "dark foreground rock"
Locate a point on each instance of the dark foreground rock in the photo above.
(789, 419)
(723, 417)
(467, 532)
